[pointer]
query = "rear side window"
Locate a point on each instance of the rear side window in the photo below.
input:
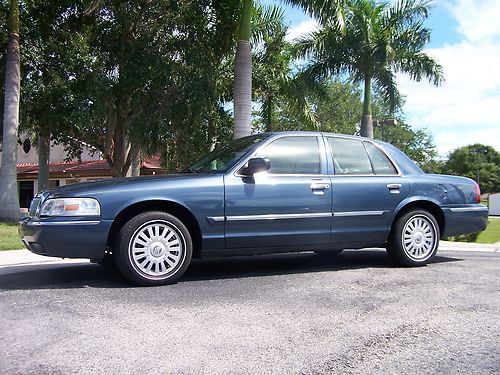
(380, 162)
(350, 157)
(293, 155)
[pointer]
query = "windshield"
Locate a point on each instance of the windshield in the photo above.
(223, 158)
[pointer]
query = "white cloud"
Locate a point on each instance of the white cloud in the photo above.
(465, 109)
(301, 29)
(477, 19)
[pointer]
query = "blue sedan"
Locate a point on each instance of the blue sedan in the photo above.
(266, 193)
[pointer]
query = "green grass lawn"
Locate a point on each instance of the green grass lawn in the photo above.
(492, 233)
(9, 238)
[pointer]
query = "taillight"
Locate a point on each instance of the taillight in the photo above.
(478, 193)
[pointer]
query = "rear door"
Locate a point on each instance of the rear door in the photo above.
(366, 188)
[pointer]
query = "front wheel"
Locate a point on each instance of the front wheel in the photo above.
(414, 239)
(153, 248)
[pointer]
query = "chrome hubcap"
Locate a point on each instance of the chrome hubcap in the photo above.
(419, 238)
(157, 249)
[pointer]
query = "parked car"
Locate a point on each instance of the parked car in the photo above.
(266, 193)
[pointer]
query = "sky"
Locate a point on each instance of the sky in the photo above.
(465, 40)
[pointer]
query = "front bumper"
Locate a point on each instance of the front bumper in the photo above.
(64, 238)
(465, 219)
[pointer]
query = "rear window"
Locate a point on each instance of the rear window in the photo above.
(349, 156)
(380, 162)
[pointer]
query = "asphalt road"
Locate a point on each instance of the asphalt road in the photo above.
(280, 314)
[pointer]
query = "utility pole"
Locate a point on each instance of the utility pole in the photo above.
(382, 124)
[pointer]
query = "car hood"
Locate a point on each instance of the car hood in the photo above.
(109, 185)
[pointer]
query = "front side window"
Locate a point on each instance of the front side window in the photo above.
(349, 156)
(292, 155)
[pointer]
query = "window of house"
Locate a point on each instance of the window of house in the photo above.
(26, 192)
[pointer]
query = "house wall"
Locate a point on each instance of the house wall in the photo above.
(494, 204)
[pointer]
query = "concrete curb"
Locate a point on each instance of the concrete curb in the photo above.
(466, 246)
(23, 257)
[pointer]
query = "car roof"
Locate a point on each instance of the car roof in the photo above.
(305, 132)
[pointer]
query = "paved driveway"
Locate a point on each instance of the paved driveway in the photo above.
(280, 314)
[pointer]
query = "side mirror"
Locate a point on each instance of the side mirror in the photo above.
(256, 165)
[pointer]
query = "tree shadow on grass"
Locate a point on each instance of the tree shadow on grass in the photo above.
(83, 275)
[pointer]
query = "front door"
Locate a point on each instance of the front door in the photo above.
(289, 205)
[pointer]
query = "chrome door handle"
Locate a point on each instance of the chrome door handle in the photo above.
(319, 186)
(394, 188)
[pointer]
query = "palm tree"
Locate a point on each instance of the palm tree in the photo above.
(255, 23)
(243, 75)
(271, 61)
(378, 41)
(9, 198)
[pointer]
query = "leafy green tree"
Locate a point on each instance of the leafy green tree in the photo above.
(138, 78)
(418, 143)
(44, 66)
(479, 162)
(374, 42)
(340, 110)
(326, 106)
(9, 208)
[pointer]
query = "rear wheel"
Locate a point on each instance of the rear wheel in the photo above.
(153, 248)
(414, 239)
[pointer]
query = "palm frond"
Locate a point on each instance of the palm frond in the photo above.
(266, 20)
(327, 12)
(387, 88)
(406, 12)
(419, 65)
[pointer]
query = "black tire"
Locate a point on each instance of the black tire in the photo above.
(328, 253)
(153, 248)
(414, 239)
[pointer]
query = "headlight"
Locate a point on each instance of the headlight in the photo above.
(71, 207)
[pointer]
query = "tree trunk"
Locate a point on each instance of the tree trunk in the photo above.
(134, 156)
(367, 120)
(117, 150)
(9, 196)
(243, 76)
(136, 165)
(43, 158)
(269, 114)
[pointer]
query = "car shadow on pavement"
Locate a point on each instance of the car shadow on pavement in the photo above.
(85, 275)
(291, 263)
